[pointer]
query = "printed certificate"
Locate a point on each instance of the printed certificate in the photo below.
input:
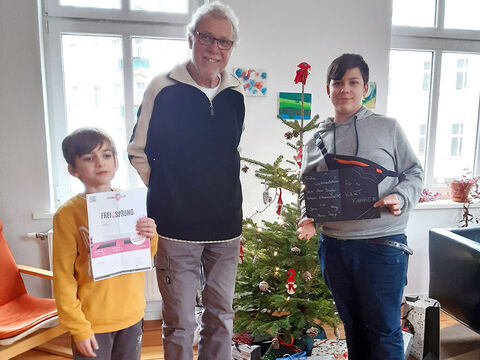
(115, 246)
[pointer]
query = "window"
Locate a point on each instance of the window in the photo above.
(407, 100)
(423, 15)
(99, 58)
(440, 115)
(462, 14)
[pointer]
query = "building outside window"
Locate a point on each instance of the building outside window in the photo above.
(427, 73)
(462, 65)
(456, 140)
(422, 140)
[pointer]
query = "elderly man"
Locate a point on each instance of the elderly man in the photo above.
(184, 147)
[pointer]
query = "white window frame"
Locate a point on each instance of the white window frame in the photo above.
(54, 9)
(437, 40)
(59, 20)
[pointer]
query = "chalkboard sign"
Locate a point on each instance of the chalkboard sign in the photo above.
(341, 194)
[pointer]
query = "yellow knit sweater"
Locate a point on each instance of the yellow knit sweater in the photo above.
(86, 307)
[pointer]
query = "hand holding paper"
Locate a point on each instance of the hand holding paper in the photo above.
(146, 227)
(391, 202)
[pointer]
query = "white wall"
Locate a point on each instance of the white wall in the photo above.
(275, 35)
(23, 160)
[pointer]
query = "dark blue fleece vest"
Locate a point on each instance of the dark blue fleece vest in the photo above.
(194, 190)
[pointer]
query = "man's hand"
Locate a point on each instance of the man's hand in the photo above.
(146, 227)
(86, 347)
(306, 229)
(391, 202)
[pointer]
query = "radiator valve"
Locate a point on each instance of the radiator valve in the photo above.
(41, 236)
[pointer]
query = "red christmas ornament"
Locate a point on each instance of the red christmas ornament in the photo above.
(279, 203)
(291, 286)
(242, 254)
(298, 158)
(302, 73)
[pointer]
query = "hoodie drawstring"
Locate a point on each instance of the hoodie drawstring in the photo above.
(356, 137)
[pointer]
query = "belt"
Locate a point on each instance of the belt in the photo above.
(391, 243)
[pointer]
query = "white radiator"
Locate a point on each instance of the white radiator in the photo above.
(152, 294)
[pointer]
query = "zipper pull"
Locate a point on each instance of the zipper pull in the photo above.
(211, 109)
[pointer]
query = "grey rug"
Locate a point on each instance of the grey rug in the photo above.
(457, 342)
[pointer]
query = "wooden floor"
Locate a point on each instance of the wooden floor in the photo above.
(152, 341)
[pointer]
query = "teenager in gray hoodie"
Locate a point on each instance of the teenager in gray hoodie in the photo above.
(364, 262)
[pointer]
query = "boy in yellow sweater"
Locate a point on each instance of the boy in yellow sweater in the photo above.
(104, 317)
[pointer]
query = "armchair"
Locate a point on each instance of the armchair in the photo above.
(25, 321)
(455, 272)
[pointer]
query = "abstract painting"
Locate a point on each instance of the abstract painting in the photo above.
(370, 100)
(254, 81)
(290, 104)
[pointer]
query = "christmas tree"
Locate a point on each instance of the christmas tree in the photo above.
(279, 289)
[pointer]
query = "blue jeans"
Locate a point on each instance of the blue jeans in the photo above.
(367, 282)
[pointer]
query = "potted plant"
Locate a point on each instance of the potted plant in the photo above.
(460, 188)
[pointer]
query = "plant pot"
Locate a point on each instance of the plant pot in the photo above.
(460, 190)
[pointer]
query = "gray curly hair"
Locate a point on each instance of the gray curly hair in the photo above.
(216, 9)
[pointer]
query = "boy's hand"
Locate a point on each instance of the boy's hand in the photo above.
(146, 227)
(391, 202)
(86, 347)
(306, 229)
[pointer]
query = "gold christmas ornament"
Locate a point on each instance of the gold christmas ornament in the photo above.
(307, 276)
(295, 250)
(263, 286)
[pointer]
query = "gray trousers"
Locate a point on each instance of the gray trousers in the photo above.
(178, 267)
(125, 344)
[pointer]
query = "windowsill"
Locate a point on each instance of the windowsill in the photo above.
(444, 204)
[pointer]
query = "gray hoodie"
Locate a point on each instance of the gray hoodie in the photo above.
(379, 139)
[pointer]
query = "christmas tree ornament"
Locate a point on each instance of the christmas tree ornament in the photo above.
(288, 135)
(266, 197)
(312, 332)
(291, 286)
(241, 255)
(245, 168)
(279, 203)
(243, 241)
(295, 250)
(275, 343)
(302, 73)
(307, 276)
(263, 286)
(298, 156)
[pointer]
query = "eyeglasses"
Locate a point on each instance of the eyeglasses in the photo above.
(206, 39)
